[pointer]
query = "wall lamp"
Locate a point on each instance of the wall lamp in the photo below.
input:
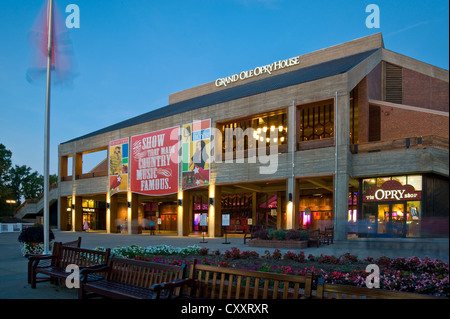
(108, 205)
(180, 202)
(290, 197)
(211, 201)
(129, 204)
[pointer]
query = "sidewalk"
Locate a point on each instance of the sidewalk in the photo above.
(13, 266)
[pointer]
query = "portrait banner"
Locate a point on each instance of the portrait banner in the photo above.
(196, 148)
(118, 166)
(154, 162)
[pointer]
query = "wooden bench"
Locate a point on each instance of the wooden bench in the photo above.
(210, 282)
(130, 279)
(47, 262)
(65, 256)
(314, 238)
(249, 235)
(327, 236)
(331, 291)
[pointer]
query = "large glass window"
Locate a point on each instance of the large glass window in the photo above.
(256, 131)
(354, 123)
(316, 121)
(387, 210)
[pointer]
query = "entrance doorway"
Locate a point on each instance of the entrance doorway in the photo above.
(91, 218)
(392, 220)
(200, 212)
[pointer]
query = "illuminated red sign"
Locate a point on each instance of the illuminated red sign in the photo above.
(154, 162)
(392, 191)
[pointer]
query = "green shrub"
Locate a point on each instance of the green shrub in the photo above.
(279, 234)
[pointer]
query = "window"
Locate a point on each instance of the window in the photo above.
(255, 131)
(393, 86)
(354, 116)
(316, 121)
(416, 181)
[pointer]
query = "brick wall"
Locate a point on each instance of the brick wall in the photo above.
(399, 123)
(423, 91)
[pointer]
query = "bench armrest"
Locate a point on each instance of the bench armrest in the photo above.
(94, 268)
(85, 271)
(33, 261)
(32, 257)
(169, 287)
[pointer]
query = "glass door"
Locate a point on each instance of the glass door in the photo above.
(391, 220)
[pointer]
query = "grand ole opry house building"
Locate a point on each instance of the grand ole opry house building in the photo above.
(354, 137)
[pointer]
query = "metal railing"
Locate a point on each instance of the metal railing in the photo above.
(13, 227)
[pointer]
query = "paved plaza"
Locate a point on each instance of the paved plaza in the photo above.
(13, 266)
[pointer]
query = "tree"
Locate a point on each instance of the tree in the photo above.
(5, 164)
(27, 184)
(18, 176)
(5, 178)
(18, 182)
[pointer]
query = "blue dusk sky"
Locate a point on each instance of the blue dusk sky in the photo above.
(130, 55)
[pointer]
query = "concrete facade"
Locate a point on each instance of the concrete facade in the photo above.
(423, 112)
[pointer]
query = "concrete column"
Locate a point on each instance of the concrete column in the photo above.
(180, 213)
(63, 167)
(77, 214)
(112, 216)
(290, 209)
(78, 165)
(62, 213)
(218, 211)
(187, 213)
(212, 211)
(133, 219)
(62, 206)
(341, 178)
(279, 216)
(254, 199)
(296, 210)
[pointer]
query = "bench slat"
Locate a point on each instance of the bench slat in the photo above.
(238, 286)
(230, 285)
(256, 290)
(222, 286)
(247, 288)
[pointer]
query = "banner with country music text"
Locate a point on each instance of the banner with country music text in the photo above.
(154, 162)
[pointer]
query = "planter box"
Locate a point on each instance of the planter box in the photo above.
(283, 244)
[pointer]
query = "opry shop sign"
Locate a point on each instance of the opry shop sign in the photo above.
(392, 191)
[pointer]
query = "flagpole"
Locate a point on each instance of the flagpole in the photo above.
(47, 129)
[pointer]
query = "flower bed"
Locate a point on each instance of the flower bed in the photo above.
(285, 244)
(280, 238)
(426, 276)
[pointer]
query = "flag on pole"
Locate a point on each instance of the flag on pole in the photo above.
(62, 63)
(52, 52)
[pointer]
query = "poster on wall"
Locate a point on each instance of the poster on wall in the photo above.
(118, 166)
(154, 162)
(196, 137)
